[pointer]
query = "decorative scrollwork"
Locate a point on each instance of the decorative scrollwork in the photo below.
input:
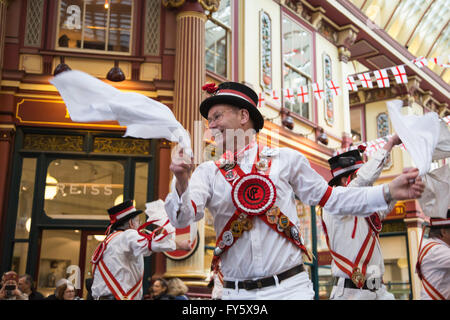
(121, 146)
(53, 142)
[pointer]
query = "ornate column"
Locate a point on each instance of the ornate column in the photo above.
(345, 40)
(189, 78)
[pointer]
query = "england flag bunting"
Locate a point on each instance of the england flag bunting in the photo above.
(366, 80)
(302, 92)
(420, 62)
(334, 88)
(350, 84)
(289, 94)
(318, 91)
(399, 74)
(382, 78)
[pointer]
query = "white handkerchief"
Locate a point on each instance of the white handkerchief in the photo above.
(435, 199)
(89, 100)
(419, 134)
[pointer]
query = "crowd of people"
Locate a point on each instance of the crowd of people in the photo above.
(15, 287)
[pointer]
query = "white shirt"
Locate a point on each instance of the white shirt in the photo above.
(262, 252)
(436, 268)
(124, 257)
(340, 228)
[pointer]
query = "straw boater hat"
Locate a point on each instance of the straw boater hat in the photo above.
(121, 213)
(344, 164)
(235, 94)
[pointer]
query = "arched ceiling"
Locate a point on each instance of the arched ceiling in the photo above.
(422, 26)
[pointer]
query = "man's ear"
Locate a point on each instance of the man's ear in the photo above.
(245, 116)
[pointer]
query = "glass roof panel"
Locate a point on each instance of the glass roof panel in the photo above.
(422, 26)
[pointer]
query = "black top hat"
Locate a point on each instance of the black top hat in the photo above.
(343, 164)
(121, 213)
(238, 95)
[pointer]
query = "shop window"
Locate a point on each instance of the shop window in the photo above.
(19, 260)
(297, 64)
(82, 189)
(59, 251)
(25, 203)
(357, 124)
(218, 40)
(396, 263)
(95, 25)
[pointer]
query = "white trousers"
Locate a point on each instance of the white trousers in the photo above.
(341, 293)
(297, 287)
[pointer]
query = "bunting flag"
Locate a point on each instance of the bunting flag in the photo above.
(399, 74)
(289, 94)
(318, 91)
(366, 80)
(335, 90)
(382, 78)
(351, 84)
(302, 93)
(421, 62)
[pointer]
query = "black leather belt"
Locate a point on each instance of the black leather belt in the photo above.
(348, 283)
(108, 297)
(264, 282)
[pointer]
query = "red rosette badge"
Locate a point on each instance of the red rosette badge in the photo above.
(254, 194)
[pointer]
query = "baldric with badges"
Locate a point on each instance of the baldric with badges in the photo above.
(253, 195)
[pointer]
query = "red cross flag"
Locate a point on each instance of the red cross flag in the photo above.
(351, 84)
(382, 78)
(318, 91)
(289, 94)
(399, 74)
(302, 94)
(420, 62)
(366, 80)
(260, 99)
(274, 95)
(335, 90)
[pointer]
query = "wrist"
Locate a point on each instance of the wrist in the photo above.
(387, 193)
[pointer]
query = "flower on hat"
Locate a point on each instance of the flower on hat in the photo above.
(362, 148)
(210, 88)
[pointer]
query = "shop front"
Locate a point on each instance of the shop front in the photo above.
(62, 183)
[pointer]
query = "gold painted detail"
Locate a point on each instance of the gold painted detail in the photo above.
(53, 142)
(210, 5)
(173, 3)
(121, 145)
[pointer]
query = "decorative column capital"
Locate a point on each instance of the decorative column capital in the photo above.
(207, 5)
(346, 38)
(7, 132)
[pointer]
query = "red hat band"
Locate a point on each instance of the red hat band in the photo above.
(236, 94)
(119, 215)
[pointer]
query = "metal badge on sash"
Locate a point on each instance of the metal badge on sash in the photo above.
(247, 224)
(283, 222)
(231, 175)
(358, 278)
(272, 215)
(228, 238)
(236, 228)
(218, 251)
(263, 164)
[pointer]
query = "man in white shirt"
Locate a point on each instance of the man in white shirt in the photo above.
(358, 264)
(118, 262)
(433, 264)
(250, 193)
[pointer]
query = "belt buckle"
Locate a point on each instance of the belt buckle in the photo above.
(250, 284)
